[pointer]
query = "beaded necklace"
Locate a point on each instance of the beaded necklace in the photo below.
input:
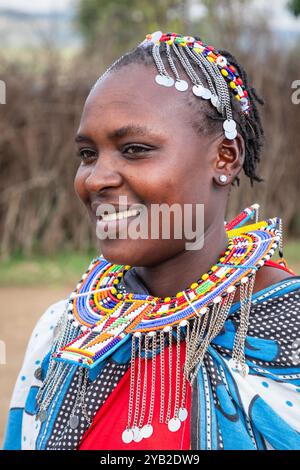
(102, 316)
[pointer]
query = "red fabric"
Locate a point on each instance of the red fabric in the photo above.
(105, 433)
(275, 264)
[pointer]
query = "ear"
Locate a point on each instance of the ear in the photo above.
(230, 160)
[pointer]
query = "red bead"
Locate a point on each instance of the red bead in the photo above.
(211, 48)
(233, 69)
(245, 93)
(239, 81)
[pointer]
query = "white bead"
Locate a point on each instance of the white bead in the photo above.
(183, 323)
(244, 280)
(167, 329)
(217, 299)
(231, 289)
(151, 334)
(203, 310)
(221, 60)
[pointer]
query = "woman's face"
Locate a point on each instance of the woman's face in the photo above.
(136, 140)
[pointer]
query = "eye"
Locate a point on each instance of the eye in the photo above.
(134, 150)
(86, 155)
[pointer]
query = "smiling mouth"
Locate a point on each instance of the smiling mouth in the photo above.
(119, 215)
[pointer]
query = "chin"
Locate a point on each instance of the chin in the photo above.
(138, 252)
(122, 252)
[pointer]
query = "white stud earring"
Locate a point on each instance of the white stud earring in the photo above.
(223, 178)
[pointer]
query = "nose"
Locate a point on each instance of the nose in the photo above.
(103, 175)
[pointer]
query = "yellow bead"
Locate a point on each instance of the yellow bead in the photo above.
(194, 285)
(222, 259)
(224, 72)
(196, 49)
(211, 59)
(127, 267)
(204, 277)
(119, 296)
(178, 295)
(183, 43)
(214, 268)
(114, 291)
(116, 282)
(238, 97)
(167, 299)
(169, 42)
(232, 85)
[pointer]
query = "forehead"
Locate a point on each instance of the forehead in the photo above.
(132, 93)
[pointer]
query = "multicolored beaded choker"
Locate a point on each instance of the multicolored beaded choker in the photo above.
(101, 316)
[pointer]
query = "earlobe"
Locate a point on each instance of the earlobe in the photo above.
(230, 159)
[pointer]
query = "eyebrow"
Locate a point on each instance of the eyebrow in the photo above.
(128, 130)
(118, 133)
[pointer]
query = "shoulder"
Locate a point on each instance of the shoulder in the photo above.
(268, 276)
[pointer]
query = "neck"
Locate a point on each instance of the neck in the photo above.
(177, 273)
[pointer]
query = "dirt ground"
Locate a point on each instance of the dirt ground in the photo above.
(20, 310)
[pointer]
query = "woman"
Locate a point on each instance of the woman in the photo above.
(174, 352)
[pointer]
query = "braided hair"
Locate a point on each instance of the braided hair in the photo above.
(249, 124)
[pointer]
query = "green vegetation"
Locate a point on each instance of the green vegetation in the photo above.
(66, 268)
(294, 7)
(62, 269)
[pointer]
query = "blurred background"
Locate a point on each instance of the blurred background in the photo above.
(52, 52)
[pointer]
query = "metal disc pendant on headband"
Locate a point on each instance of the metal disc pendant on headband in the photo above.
(206, 95)
(231, 135)
(181, 85)
(127, 436)
(229, 125)
(174, 424)
(147, 431)
(164, 80)
(198, 90)
(215, 101)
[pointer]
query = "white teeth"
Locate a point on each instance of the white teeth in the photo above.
(119, 215)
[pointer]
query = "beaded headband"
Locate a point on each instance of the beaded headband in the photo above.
(222, 78)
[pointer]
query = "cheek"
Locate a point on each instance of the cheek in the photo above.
(79, 183)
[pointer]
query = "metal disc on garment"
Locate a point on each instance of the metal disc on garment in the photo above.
(237, 367)
(74, 421)
(38, 373)
(229, 125)
(206, 94)
(174, 424)
(147, 431)
(198, 90)
(42, 416)
(137, 436)
(181, 85)
(182, 414)
(127, 436)
(231, 135)
(56, 332)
